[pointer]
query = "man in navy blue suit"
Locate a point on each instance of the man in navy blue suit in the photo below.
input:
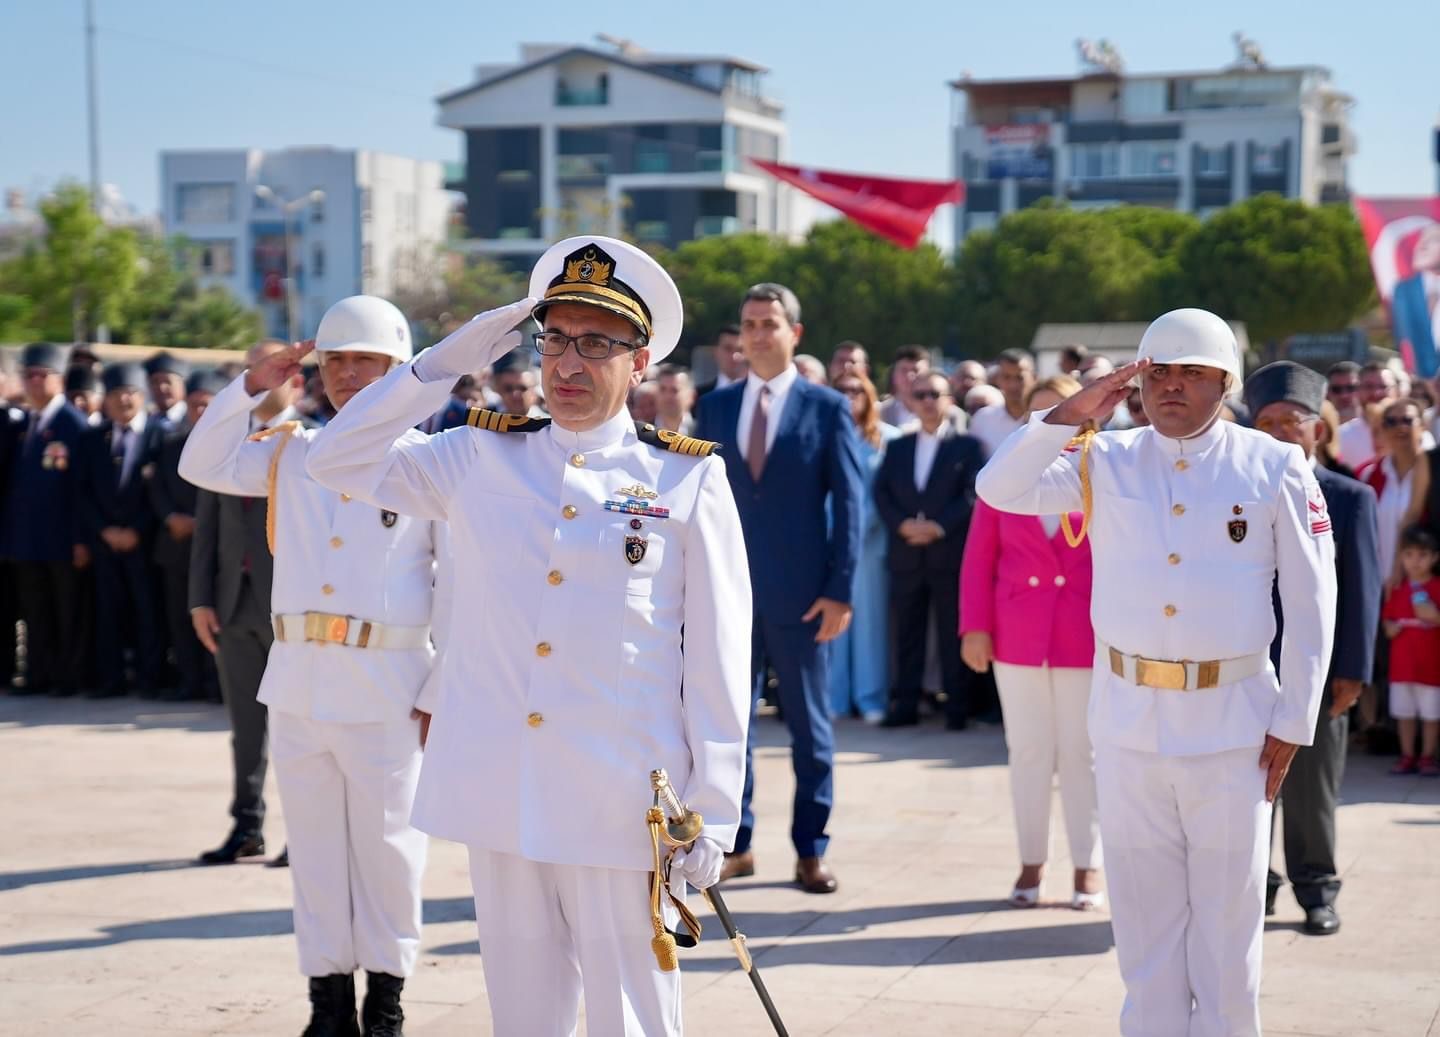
(1285, 399)
(117, 462)
(39, 527)
(789, 446)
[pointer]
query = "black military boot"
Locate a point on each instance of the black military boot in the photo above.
(381, 1015)
(332, 1006)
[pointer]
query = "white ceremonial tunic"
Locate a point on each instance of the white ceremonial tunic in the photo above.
(1188, 538)
(560, 687)
(345, 748)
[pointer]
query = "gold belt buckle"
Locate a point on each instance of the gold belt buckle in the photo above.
(326, 627)
(1156, 673)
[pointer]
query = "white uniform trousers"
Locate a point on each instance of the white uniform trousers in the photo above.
(1046, 733)
(1186, 844)
(355, 862)
(549, 931)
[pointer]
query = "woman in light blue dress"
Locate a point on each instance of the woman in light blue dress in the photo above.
(860, 658)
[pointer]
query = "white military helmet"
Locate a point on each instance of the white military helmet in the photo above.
(1191, 336)
(364, 324)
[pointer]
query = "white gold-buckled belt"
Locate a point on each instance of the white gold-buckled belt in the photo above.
(329, 628)
(1183, 675)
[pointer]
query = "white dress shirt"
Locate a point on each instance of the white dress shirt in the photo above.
(132, 446)
(1390, 508)
(779, 387)
(563, 690)
(1187, 538)
(927, 445)
(991, 425)
(48, 412)
(333, 555)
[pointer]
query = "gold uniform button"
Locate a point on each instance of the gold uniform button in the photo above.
(578, 460)
(1174, 559)
(569, 511)
(1181, 465)
(535, 719)
(1178, 510)
(327, 589)
(1034, 581)
(336, 542)
(555, 578)
(1170, 610)
(345, 498)
(542, 649)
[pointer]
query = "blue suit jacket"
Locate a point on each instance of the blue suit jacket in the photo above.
(39, 516)
(796, 554)
(1357, 615)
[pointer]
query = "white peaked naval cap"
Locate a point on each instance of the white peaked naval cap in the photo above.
(364, 324)
(617, 277)
(1191, 337)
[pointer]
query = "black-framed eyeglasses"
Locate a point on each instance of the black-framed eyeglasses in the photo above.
(1344, 390)
(590, 346)
(1400, 421)
(926, 394)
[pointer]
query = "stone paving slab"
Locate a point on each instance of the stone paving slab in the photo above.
(107, 928)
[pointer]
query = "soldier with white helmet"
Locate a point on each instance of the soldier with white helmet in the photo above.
(1192, 520)
(352, 603)
(588, 542)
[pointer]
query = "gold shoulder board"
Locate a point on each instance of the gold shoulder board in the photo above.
(494, 421)
(674, 441)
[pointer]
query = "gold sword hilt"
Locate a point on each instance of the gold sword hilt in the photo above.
(682, 825)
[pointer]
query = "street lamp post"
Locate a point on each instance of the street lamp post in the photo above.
(287, 207)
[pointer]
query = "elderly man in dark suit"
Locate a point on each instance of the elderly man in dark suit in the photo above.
(117, 463)
(925, 492)
(40, 529)
(790, 445)
(1285, 399)
(173, 502)
(230, 574)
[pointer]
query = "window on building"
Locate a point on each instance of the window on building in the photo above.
(1094, 161)
(317, 210)
(652, 150)
(574, 89)
(1140, 98)
(367, 268)
(205, 203)
(980, 221)
(213, 258)
(582, 153)
(1268, 158)
(317, 259)
(1212, 161)
(710, 148)
(365, 200)
(1151, 158)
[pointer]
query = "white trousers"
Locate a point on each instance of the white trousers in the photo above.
(1046, 733)
(355, 862)
(1186, 842)
(549, 931)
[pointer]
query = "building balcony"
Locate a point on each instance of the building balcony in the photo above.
(715, 226)
(572, 167)
(572, 97)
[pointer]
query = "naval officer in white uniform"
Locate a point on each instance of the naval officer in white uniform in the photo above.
(583, 546)
(352, 600)
(1191, 520)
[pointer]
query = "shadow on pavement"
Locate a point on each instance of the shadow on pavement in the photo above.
(121, 713)
(21, 879)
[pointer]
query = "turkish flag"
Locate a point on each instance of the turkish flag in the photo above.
(897, 210)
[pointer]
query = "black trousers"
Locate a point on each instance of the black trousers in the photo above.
(9, 617)
(189, 653)
(49, 607)
(1307, 801)
(244, 645)
(912, 595)
(125, 617)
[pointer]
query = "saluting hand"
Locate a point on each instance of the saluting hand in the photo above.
(1275, 760)
(278, 368)
(1097, 399)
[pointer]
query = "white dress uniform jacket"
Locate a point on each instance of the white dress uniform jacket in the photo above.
(338, 556)
(1173, 583)
(561, 680)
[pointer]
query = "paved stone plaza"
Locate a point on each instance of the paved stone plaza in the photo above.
(106, 928)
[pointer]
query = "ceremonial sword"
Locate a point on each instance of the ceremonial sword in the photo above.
(682, 827)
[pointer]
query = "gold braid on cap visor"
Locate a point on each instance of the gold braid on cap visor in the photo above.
(622, 304)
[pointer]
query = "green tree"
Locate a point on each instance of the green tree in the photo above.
(205, 318)
(1046, 264)
(448, 290)
(1279, 265)
(713, 273)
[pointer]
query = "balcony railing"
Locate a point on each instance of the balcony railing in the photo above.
(713, 226)
(573, 166)
(571, 97)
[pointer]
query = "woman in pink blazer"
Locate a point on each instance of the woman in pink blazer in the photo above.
(1025, 607)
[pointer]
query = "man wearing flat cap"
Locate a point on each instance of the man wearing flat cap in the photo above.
(1285, 399)
(561, 692)
(1191, 520)
(166, 374)
(117, 462)
(40, 522)
(82, 389)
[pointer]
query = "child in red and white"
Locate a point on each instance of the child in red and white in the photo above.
(1412, 622)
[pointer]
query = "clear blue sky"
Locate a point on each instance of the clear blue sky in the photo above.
(863, 86)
